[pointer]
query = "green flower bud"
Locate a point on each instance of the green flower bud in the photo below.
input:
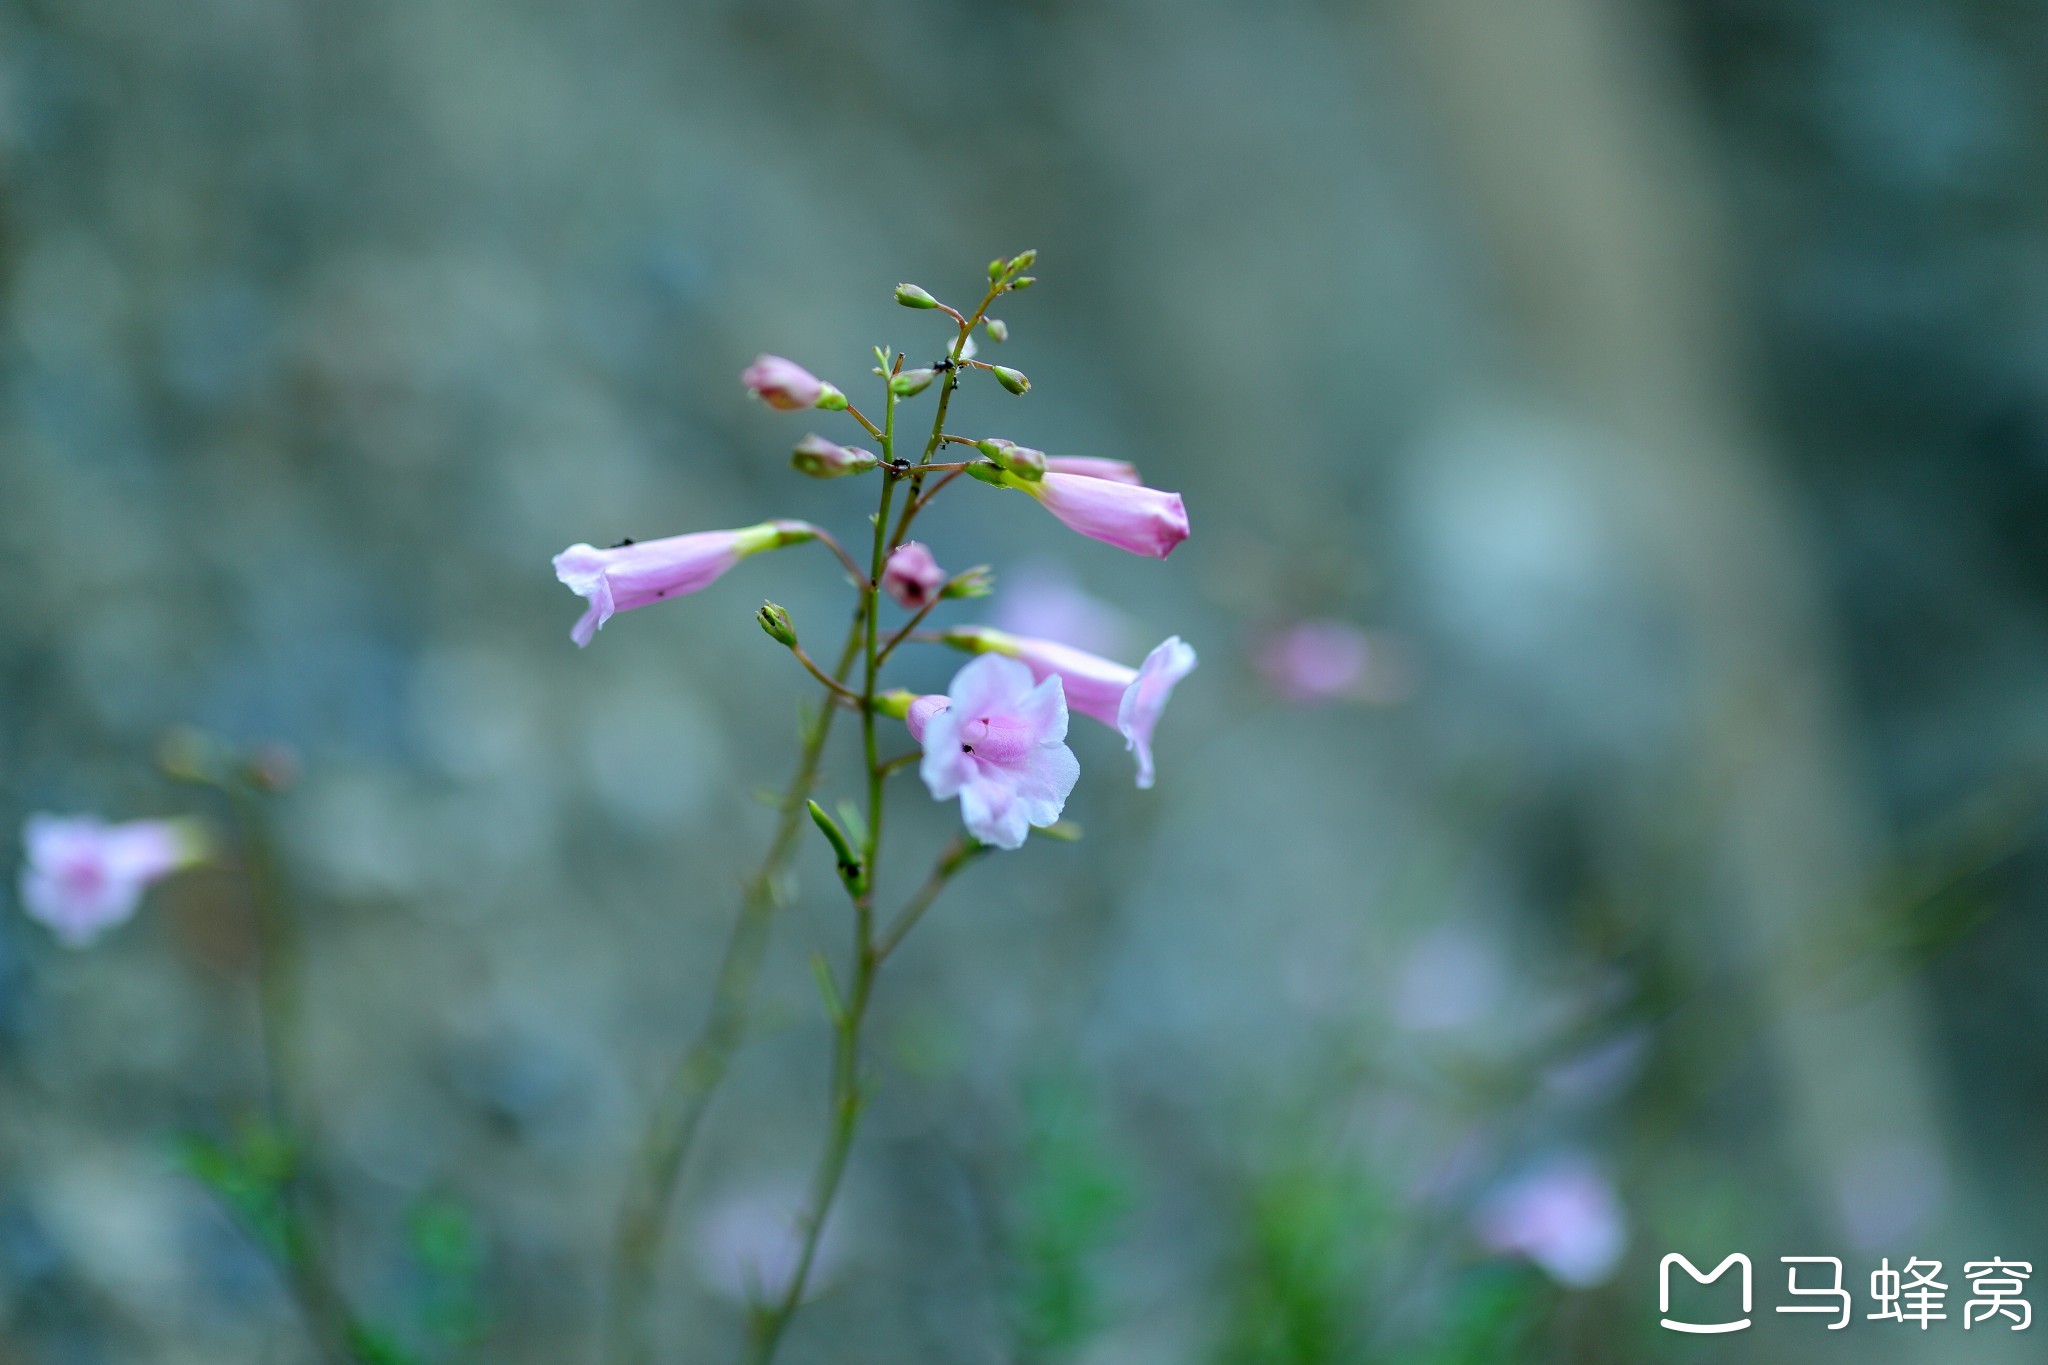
(911, 382)
(998, 330)
(1023, 281)
(895, 703)
(850, 870)
(910, 296)
(1024, 259)
(774, 621)
(823, 459)
(1013, 380)
(996, 268)
(975, 582)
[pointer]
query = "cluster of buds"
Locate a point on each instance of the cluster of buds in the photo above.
(996, 738)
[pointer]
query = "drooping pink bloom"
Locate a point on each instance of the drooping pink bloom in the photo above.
(1322, 661)
(1127, 700)
(1564, 1215)
(84, 876)
(635, 574)
(1092, 467)
(748, 1244)
(1131, 517)
(1044, 600)
(789, 386)
(912, 576)
(999, 744)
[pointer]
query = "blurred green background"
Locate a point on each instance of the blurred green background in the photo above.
(1664, 385)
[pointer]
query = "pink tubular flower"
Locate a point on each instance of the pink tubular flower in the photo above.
(1128, 700)
(789, 386)
(633, 575)
(83, 876)
(1564, 1216)
(1092, 467)
(912, 576)
(1129, 516)
(999, 744)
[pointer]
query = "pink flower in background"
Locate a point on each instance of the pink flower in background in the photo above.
(84, 876)
(1043, 600)
(634, 575)
(789, 386)
(749, 1242)
(1131, 517)
(912, 576)
(1000, 746)
(1092, 467)
(1321, 661)
(1563, 1215)
(1128, 700)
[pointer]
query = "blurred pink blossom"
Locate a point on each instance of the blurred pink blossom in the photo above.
(1043, 600)
(1563, 1215)
(84, 876)
(912, 576)
(1321, 661)
(749, 1242)
(1000, 746)
(636, 574)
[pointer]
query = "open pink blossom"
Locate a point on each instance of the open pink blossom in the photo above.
(1092, 467)
(787, 385)
(912, 576)
(635, 574)
(1128, 700)
(999, 744)
(1130, 516)
(84, 876)
(1563, 1215)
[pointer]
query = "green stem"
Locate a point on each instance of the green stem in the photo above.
(772, 1320)
(679, 1113)
(334, 1329)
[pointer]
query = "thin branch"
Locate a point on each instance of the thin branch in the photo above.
(958, 854)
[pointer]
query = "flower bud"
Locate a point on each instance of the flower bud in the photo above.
(1023, 282)
(911, 382)
(998, 330)
(1022, 461)
(1024, 259)
(910, 296)
(823, 459)
(912, 577)
(975, 582)
(850, 870)
(1013, 380)
(996, 268)
(774, 621)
